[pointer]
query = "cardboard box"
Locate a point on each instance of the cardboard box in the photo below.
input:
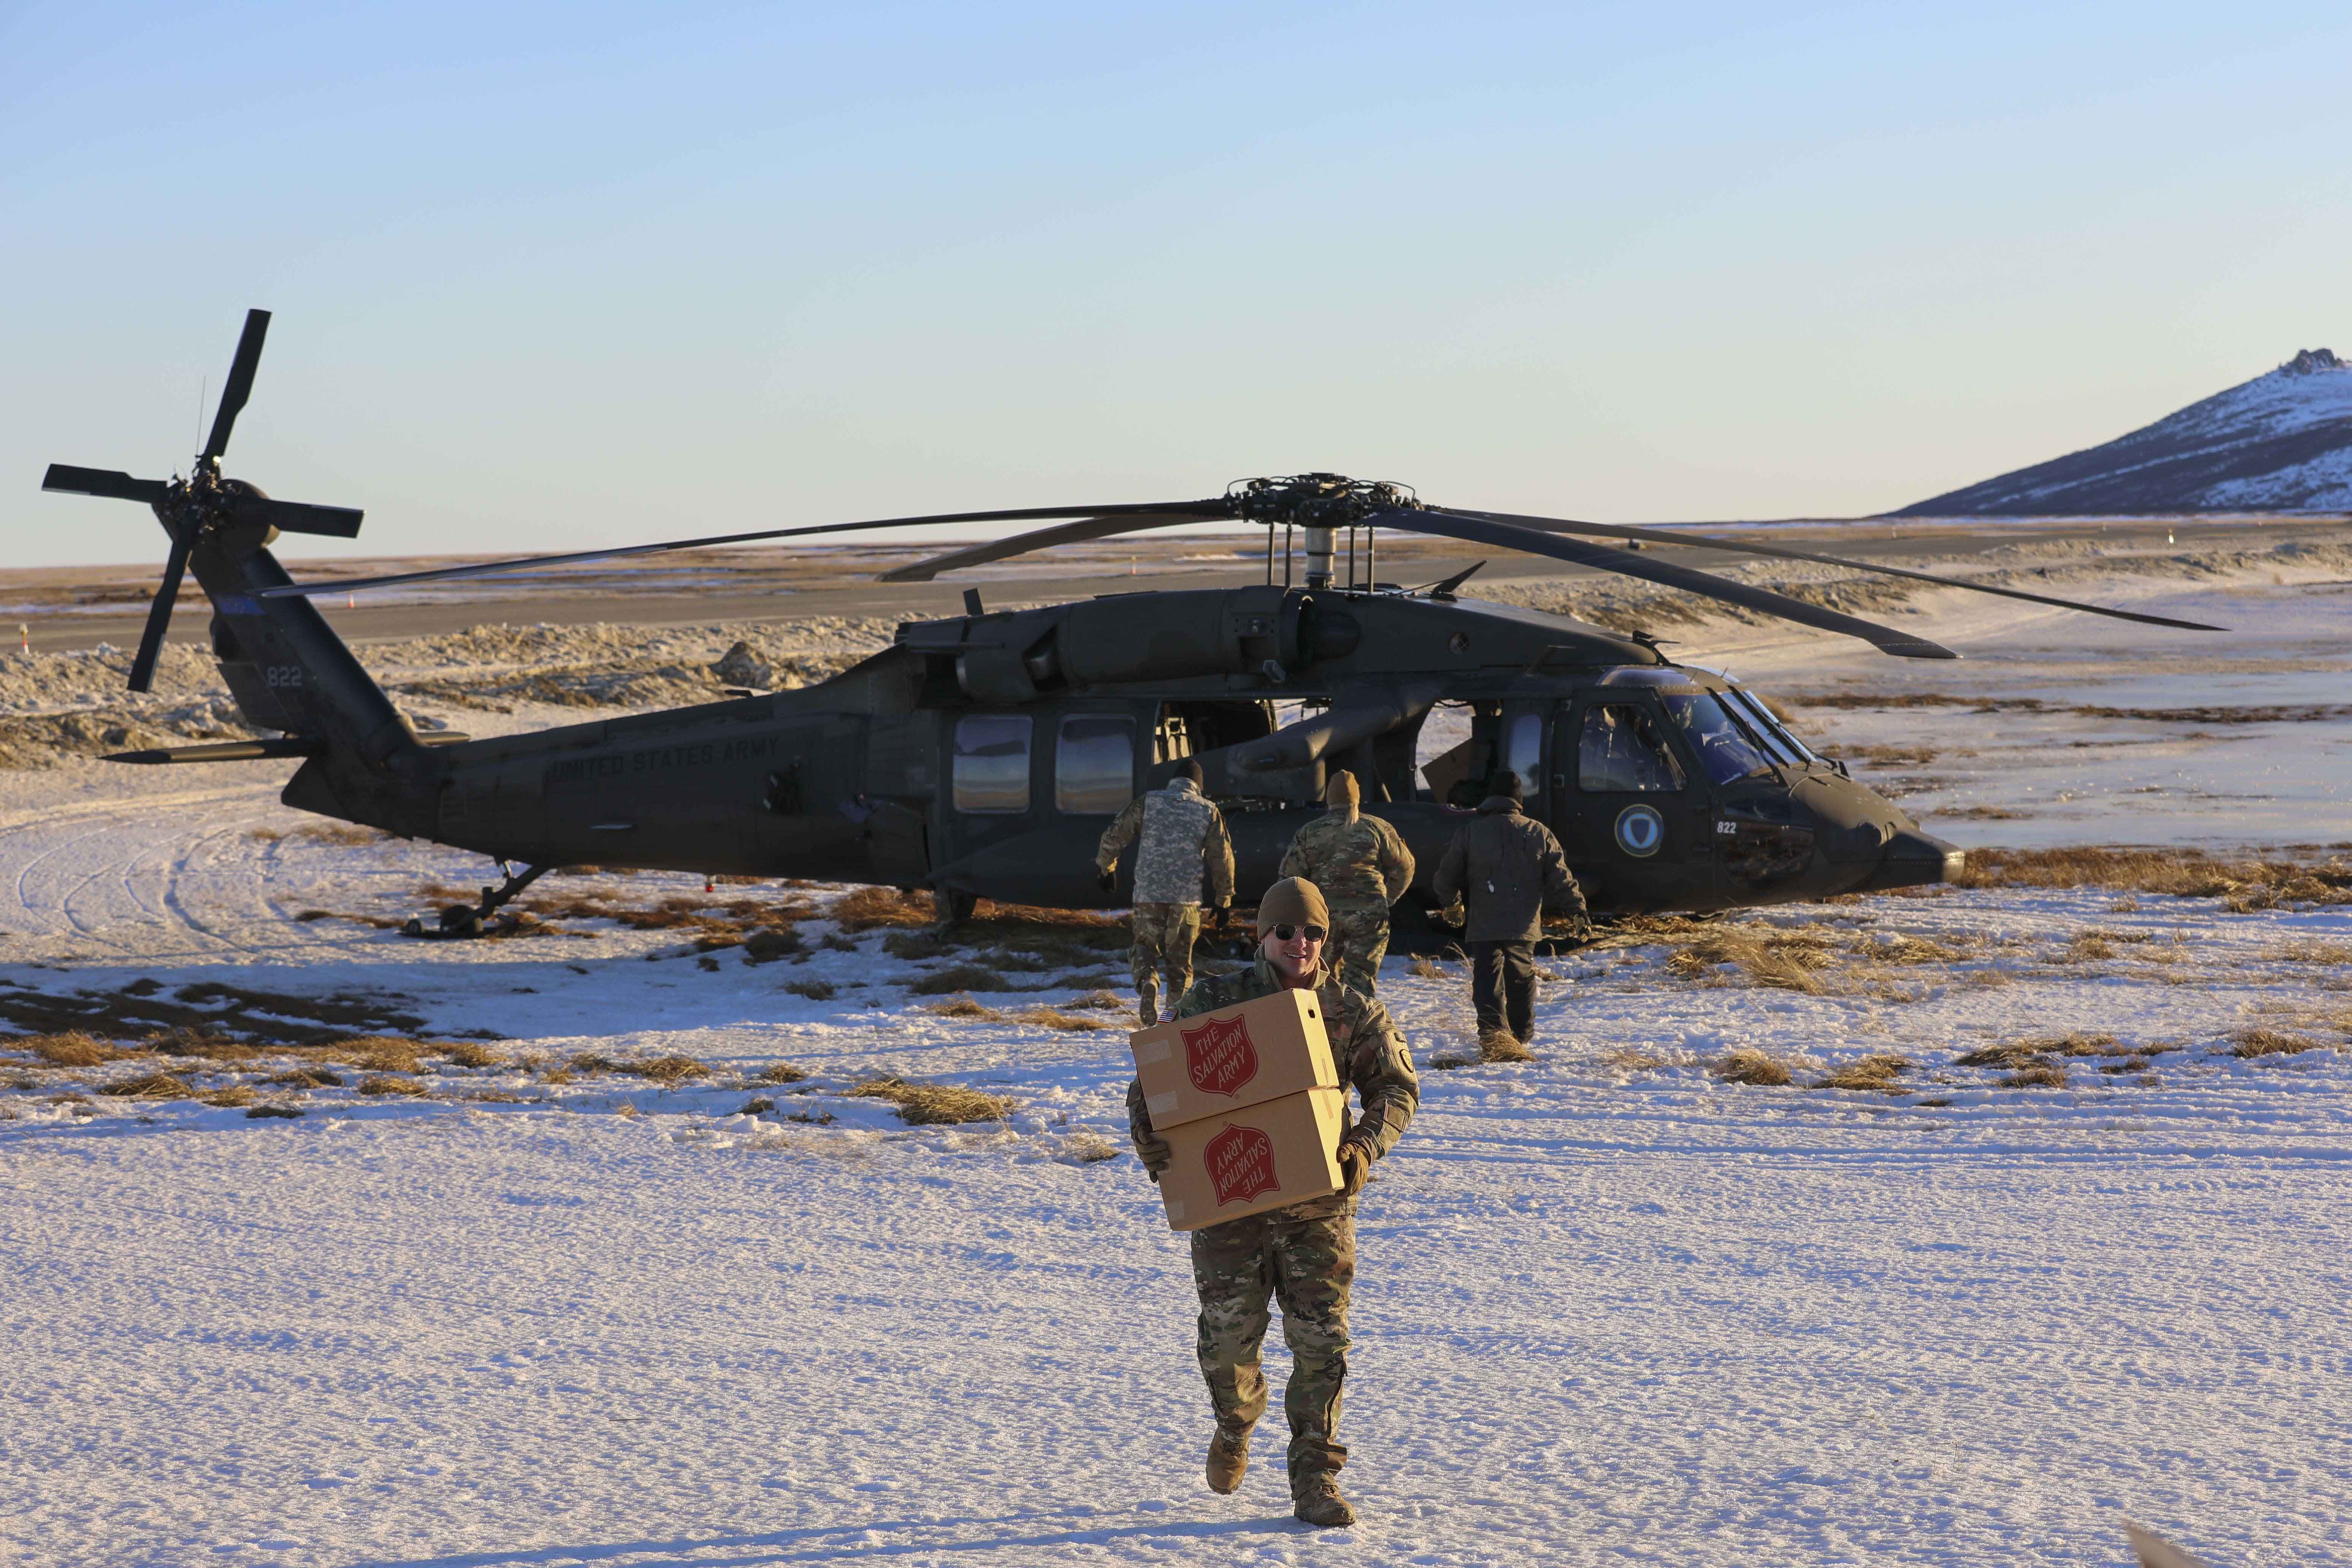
(1237, 1056)
(1262, 1157)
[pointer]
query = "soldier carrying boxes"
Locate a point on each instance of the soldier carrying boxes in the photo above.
(1239, 1111)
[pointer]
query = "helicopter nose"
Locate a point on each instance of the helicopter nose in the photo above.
(1912, 859)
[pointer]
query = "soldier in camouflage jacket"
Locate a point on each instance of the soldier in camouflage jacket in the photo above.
(1362, 867)
(1305, 1254)
(1177, 832)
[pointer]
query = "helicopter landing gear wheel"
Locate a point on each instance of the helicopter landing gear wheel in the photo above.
(460, 921)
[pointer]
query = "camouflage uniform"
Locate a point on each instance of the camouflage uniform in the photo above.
(1175, 831)
(1362, 867)
(1303, 1255)
(1164, 935)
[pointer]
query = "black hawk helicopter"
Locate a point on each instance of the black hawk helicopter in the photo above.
(982, 755)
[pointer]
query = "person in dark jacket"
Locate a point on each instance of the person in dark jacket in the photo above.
(1506, 868)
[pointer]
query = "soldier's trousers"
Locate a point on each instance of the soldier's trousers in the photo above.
(1503, 987)
(1164, 934)
(1359, 940)
(1307, 1265)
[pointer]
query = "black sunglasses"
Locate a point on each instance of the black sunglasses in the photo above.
(1312, 933)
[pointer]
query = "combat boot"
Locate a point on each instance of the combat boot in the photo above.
(1502, 1046)
(1319, 1502)
(1228, 1460)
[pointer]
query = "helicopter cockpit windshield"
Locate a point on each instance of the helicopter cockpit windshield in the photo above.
(1784, 746)
(1722, 744)
(1733, 732)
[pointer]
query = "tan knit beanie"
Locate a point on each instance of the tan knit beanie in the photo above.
(1293, 901)
(1341, 791)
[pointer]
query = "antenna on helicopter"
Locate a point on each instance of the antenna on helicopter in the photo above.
(1444, 590)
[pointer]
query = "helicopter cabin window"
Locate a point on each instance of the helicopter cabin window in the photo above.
(1621, 751)
(1522, 752)
(1723, 747)
(992, 763)
(1094, 763)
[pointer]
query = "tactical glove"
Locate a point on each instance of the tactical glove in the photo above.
(1106, 881)
(1355, 1168)
(1155, 1154)
(1225, 916)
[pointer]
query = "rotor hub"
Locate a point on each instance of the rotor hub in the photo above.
(1317, 500)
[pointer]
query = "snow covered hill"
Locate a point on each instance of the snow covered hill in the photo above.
(2279, 443)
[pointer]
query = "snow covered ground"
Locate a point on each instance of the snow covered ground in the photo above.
(1614, 1307)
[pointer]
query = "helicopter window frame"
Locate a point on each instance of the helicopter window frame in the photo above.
(983, 777)
(1771, 727)
(1720, 747)
(1082, 790)
(1649, 729)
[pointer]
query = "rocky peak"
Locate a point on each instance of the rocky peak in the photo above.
(2307, 361)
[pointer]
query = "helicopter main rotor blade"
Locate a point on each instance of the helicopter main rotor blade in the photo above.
(1184, 510)
(1514, 536)
(1699, 542)
(1078, 532)
(159, 617)
(112, 483)
(296, 517)
(239, 386)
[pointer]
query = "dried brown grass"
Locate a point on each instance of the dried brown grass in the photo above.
(2045, 1075)
(935, 1104)
(1055, 1018)
(1875, 1073)
(1750, 1066)
(382, 1054)
(2262, 1042)
(1101, 1001)
(2041, 1047)
(390, 1083)
(2243, 885)
(472, 1056)
(964, 1007)
(665, 1071)
(72, 1048)
(780, 1072)
(863, 909)
(150, 1086)
(1781, 960)
(815, 990)
(2312, 950)
(182, 1040)
(1910, 950)
(343, 833)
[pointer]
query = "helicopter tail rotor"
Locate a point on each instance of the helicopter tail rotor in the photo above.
(204, 504)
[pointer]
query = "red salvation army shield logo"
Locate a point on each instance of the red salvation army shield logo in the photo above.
(1219, 1056)
(1240, 1164)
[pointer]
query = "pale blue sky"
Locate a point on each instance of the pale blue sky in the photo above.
(550, 277)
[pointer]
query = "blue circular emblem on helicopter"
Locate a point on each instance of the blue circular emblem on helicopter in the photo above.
(1640, 831)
